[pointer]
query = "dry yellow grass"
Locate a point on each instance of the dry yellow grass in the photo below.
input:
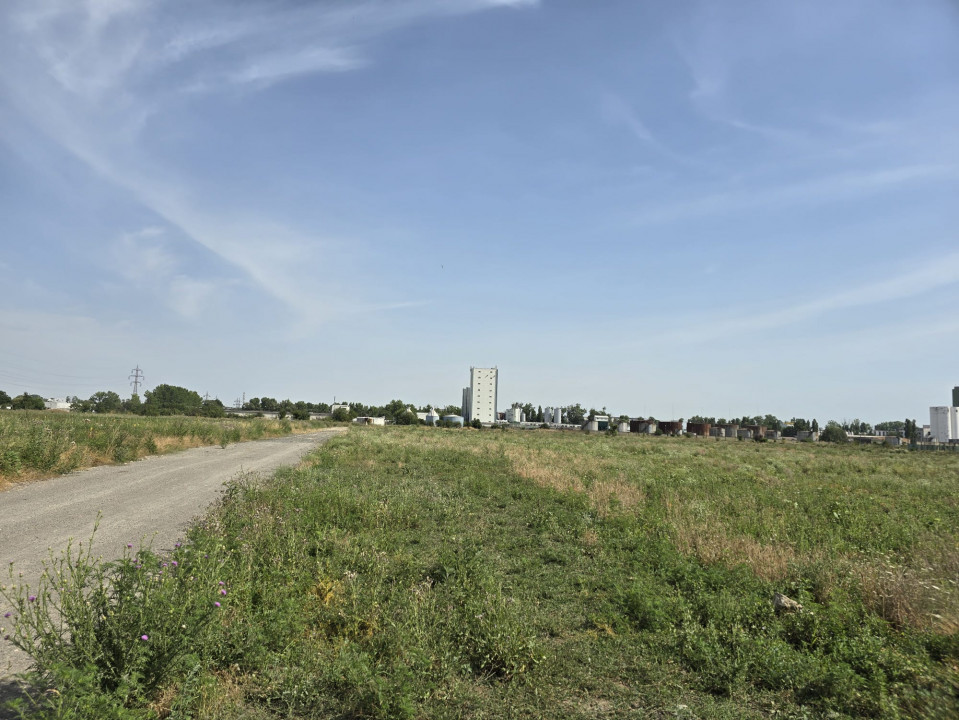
(901, 594)
(571, 473)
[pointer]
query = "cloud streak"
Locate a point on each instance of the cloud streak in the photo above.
(942, 273)
(89, 73)
(825, 189)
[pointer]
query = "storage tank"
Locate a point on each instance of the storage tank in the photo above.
(558, 416)
(592, 425)
(432, 417)
(624, 427)
(455, 419)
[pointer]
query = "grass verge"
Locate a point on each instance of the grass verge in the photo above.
(36, 444)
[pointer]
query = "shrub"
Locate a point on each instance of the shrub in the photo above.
(833, 433)
(126, 624)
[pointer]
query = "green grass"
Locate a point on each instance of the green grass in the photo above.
(40, 444)
(415, 572)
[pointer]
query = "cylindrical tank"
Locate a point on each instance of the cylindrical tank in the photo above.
(456, 419)
(593, 425)
(558, 416)
(432, 417)
(624, 427)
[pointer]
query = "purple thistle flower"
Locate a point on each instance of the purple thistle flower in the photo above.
(216, 604)
(175, 563)
(144, 638)
(129, 545)
(6, 615)
(177, 545)
(222, 592)
(31, 598)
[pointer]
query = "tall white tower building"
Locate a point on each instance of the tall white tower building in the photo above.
(479, 399)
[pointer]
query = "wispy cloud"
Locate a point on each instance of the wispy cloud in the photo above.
(828, 188)
(933, 276)
(89, 73)
(145, 258)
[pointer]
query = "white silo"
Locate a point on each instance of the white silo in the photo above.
(558, 416)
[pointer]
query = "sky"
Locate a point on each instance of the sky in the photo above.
(665, 209)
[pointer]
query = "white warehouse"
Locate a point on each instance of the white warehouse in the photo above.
(944, 424)
(479, 399)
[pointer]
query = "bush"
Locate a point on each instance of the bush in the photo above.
(833, 433)
(127, 624)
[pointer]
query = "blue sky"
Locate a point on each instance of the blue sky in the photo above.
(663, 208)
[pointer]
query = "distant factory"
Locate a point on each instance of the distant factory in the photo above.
(944, 421)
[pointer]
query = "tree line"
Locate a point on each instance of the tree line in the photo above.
(175, 400)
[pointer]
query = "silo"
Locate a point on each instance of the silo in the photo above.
(624, 427)
(432, 417)
(455, 419)
(558, 416)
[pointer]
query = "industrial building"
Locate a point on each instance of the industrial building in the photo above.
(367, 420)
(643, 426)
(515, 414)
(944, 424)
(479, 399)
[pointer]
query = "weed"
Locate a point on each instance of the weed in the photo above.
(412, 573)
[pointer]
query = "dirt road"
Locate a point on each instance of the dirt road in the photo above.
(154, 498)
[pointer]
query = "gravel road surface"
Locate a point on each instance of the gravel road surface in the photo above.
(154, 498)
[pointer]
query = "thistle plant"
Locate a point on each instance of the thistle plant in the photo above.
(129, 622)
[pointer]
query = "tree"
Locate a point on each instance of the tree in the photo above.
(772, 422)
(105, 401)
(213, 408)
(896, 426)
(269, 404)
(80, 406)
(342, 415)
(912, 431)
(27, 402)
(833, 433)
(815, 425)
(4, 398)
(575, 415)
(172, 400)
(133, 405)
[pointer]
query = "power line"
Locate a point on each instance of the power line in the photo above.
(136, 378)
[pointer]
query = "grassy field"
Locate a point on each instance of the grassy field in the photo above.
(425, 573)
(41, 444)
